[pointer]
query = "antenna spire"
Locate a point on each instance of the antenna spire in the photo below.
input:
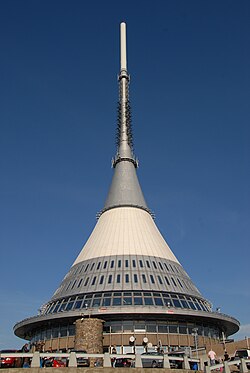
(123, 46)
(124, 127)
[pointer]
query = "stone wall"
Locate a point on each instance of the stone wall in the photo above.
(88, 335)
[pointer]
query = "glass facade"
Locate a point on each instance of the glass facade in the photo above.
(132, 298)
(133, 326)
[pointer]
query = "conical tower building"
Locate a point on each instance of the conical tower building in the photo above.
(126, 274)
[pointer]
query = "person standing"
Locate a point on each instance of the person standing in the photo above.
(211, 356)
(25, 348)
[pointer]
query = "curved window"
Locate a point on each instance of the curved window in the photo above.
(208, 308)
(106, 302)
(191, 304)
(182, 329)
(162, 328)
(112, 264)
(96, 302)
(118, 279)
(98, 266)
(198, 305)
(69, 305)
(202, 306)
(148, 301)
(160, 280)
(177, 303)
(173, 281)
(110, 279)
(184, 304)
(141, 263)
(93, 281)
(167, 302)
(86, 282)
(135, 278)
(126, 263)
(179, 282)
(87, 266)
(154, 265)
(119, 263)
(134, 263)
(158, 301)
(63, 305)
(138, 301)
(79, 284)
(144, 280)
(101, 280)
(152, 279)
(167, 281)
(127, 278)
(151, 327)
(63, 331)
(92, 266)
(105, 264)
(78, 303)
(55, 332)
(148, 264)
(56, 307)
(117, 301)
(173, 329)
(160, 266)
(127, 301)
(51, 308)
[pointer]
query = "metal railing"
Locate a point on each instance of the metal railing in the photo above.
(167, 361)
(107, 359)
(225, 366)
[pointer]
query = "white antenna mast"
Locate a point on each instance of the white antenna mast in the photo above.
(123, 46)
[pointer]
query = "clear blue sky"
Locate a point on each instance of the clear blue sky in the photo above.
(190, 79)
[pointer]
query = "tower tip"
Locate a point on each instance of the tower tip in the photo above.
(123, 46)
